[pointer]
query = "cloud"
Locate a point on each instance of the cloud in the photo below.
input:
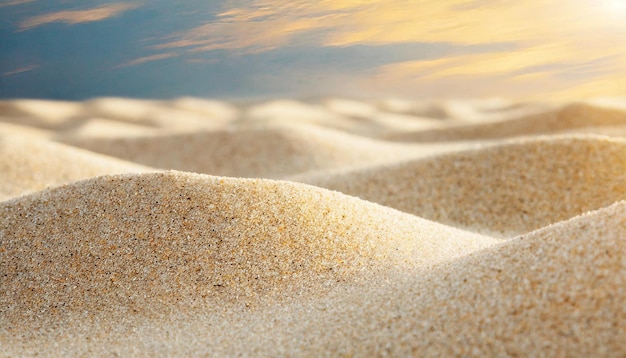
(549, 33)
(535, 74)
(263, 25)
(509, 62)
(247, 36)
(267, 24)
(20, 70)
(141, 60)
(546, 46)
(14, 2)
(72, 17)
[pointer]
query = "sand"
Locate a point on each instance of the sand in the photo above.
(575, 116)
(331, 226)
(274, 151)
(502, 190)
(30, 164)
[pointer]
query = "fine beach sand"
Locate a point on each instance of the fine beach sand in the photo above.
(325, 227)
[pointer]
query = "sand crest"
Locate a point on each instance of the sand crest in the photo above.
(567, 118)
(29, 164)
(135, 243)
(41, 113)
(178, 115)
(502, 190)
(269, 152)
(555, 292)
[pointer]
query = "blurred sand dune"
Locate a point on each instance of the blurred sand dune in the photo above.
(569, 117)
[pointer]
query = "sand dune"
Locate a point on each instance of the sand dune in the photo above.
(94, 127)
(480, 110)
(502, 190)
(180, 115)
(567, 118)
(269, 152)
(555, 292)
(285, 111)
(134, 243)
(40, 113)
(463, 237)
(336, 113)
(8, 128)
(183, 114)
(28, 165)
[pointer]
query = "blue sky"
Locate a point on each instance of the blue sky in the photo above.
(267, 48)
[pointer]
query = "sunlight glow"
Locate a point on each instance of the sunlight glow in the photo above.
(615, 5)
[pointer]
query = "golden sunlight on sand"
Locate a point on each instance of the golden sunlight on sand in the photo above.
(312, 228)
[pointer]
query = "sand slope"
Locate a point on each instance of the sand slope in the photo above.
(136, 242)
(29, 164)
(270, 152)
(178, 115)
(503, 190)
(555, 292)
(567, 118)
(466, 233)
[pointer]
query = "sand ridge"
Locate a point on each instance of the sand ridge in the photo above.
(30, 164)
(137, 241)
(567, 118)
(181, 114)
(398, 227)
(556, 291)
(514, 187)
(270, 152)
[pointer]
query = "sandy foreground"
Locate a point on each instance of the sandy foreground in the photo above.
(326, 227)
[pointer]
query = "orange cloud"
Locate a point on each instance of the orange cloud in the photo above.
(262, 26)
(266, 24)
(549, 34)
(77, 16)
(567, 49)
(481, 64)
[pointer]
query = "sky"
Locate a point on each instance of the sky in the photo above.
(530, 49)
